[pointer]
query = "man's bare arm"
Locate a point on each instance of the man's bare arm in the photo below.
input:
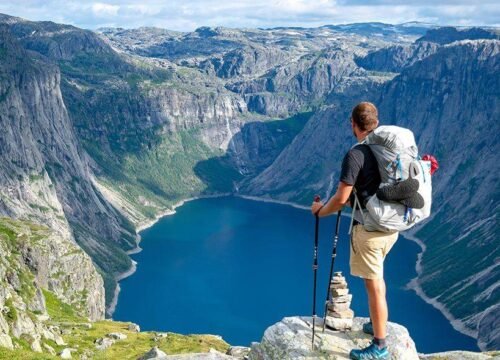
(335, 203)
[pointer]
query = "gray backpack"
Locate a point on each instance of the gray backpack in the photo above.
(397, 158)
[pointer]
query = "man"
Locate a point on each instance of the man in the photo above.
(368, 249)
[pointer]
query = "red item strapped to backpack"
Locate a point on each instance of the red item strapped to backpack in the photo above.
(434, 162)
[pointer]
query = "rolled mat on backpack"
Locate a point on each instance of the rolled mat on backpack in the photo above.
(405, 192)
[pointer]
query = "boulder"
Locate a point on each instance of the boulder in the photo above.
(134, 327)
(239, 352)
(117, 336)
(103, 343)
(66, 353)
(154, 353)
(291, 339)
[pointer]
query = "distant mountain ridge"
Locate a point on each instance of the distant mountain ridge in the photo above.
(131, 121)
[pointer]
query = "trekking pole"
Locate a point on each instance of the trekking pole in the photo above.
(334, 255)
(315, 270)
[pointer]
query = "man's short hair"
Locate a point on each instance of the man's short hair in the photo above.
(365, 115)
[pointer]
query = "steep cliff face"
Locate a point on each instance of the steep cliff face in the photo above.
(45, 177)
(456, 123)
(398, 57)
(35, 258)
(449, 34)
(301, 84)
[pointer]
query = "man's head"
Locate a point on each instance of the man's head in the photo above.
(364, 119)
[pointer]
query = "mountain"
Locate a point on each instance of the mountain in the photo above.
(455, 124)
(107, 130)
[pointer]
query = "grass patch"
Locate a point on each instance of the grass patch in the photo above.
(11, 313)
(58, 310)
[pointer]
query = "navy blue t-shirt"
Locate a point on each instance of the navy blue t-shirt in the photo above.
(359, 168)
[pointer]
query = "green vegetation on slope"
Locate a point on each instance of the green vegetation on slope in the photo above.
(159, 178)
(81, 335)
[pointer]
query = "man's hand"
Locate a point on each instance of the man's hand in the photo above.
(316, 206)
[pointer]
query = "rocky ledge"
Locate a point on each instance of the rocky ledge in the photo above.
(291, 339)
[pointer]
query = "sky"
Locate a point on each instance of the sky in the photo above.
(187, 15)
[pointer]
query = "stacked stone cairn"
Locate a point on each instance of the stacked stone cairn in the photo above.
(339, 314)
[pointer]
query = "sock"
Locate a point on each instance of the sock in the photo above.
(379, 342)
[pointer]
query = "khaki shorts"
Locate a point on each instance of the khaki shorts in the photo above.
(368, 251)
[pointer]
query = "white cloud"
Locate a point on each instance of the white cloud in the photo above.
(189, 14)
(103, 10)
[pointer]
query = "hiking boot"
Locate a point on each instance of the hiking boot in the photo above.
(368, 328)
(372, 352)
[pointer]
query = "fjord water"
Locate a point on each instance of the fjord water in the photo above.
(233, 267)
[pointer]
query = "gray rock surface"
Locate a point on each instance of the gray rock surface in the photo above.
(66, 353)
(154, 353)
(460, 355)
(291, 339)
(134, 327)
(104, 343)
(201, 356)
(117, 336)
(239, 352)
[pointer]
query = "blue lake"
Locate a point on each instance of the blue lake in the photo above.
(233, 267)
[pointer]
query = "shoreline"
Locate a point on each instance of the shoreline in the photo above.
(413, 284)
(141, 227)
(112, 307)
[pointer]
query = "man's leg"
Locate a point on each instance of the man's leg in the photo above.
(378, 306)
(368, 251)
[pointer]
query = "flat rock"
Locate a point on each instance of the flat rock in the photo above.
(339, 292)
(339, 307)
(336, 323)
(338, 286)
(341, 299)
(291, 339)
(345, 314)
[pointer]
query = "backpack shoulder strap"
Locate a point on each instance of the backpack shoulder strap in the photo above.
(356, 205)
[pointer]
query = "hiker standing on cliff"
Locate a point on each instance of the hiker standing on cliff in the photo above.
(368, 248)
